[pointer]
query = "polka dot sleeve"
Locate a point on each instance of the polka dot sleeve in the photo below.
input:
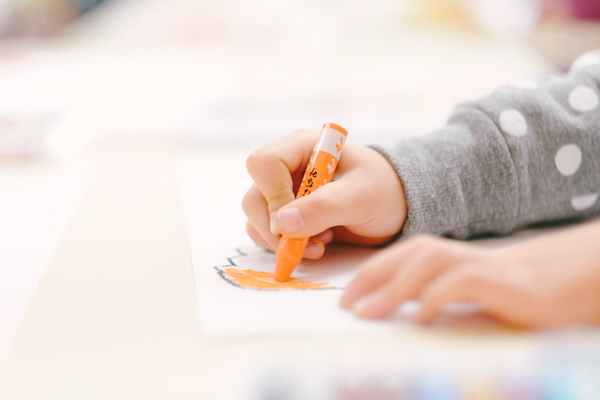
(527, 154)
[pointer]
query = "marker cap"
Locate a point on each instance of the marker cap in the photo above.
(336, 127)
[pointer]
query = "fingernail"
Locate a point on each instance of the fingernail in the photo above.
(290, 220)
(345, 302)
(273, 222)
(364, 307)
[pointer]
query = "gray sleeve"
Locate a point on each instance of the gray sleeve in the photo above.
(526, 154)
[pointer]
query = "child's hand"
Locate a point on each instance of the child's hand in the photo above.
(545, 282)
(364, 204)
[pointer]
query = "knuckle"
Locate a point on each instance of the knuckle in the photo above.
(246, 205)
(439, 250)
(423, 242)
(305, 132)
(300, 132)
(469, 276)
(279, 199)
(259, 160)
(324, 204)
(253, 162)
(249, 201)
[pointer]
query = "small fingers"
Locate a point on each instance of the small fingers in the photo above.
(355, 200)
(257, 237)
(326, 236)
(314, 249)
(404, 286)
(463, 284)
(500, 295)
(380, 270)
(273, 167)
(435, 258)
(373, 274)
(316, 245)
(258, 227)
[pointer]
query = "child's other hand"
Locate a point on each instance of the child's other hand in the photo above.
(545, 282)
(364, 204)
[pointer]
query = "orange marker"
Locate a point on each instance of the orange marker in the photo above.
(320, 169)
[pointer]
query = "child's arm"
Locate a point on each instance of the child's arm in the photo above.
(545, 282)
(365, 202)
(525, 154)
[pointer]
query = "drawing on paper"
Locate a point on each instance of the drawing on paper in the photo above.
(253, 268)
(250, 278)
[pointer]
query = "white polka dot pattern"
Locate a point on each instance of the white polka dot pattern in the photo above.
(513, 123)
(584, 202)
(583, 99)
(585, 60)
(568, 159)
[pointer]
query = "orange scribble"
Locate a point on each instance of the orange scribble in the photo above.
(266, 280)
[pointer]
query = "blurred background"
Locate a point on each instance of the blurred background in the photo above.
(255, 70)
(40, 18)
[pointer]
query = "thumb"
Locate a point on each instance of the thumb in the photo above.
(329, 206)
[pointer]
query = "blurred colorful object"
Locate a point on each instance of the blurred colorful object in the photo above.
(39, 17)
(585, 9)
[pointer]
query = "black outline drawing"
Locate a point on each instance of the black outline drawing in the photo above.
(232, 264)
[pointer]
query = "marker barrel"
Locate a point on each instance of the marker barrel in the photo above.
(319, 171)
